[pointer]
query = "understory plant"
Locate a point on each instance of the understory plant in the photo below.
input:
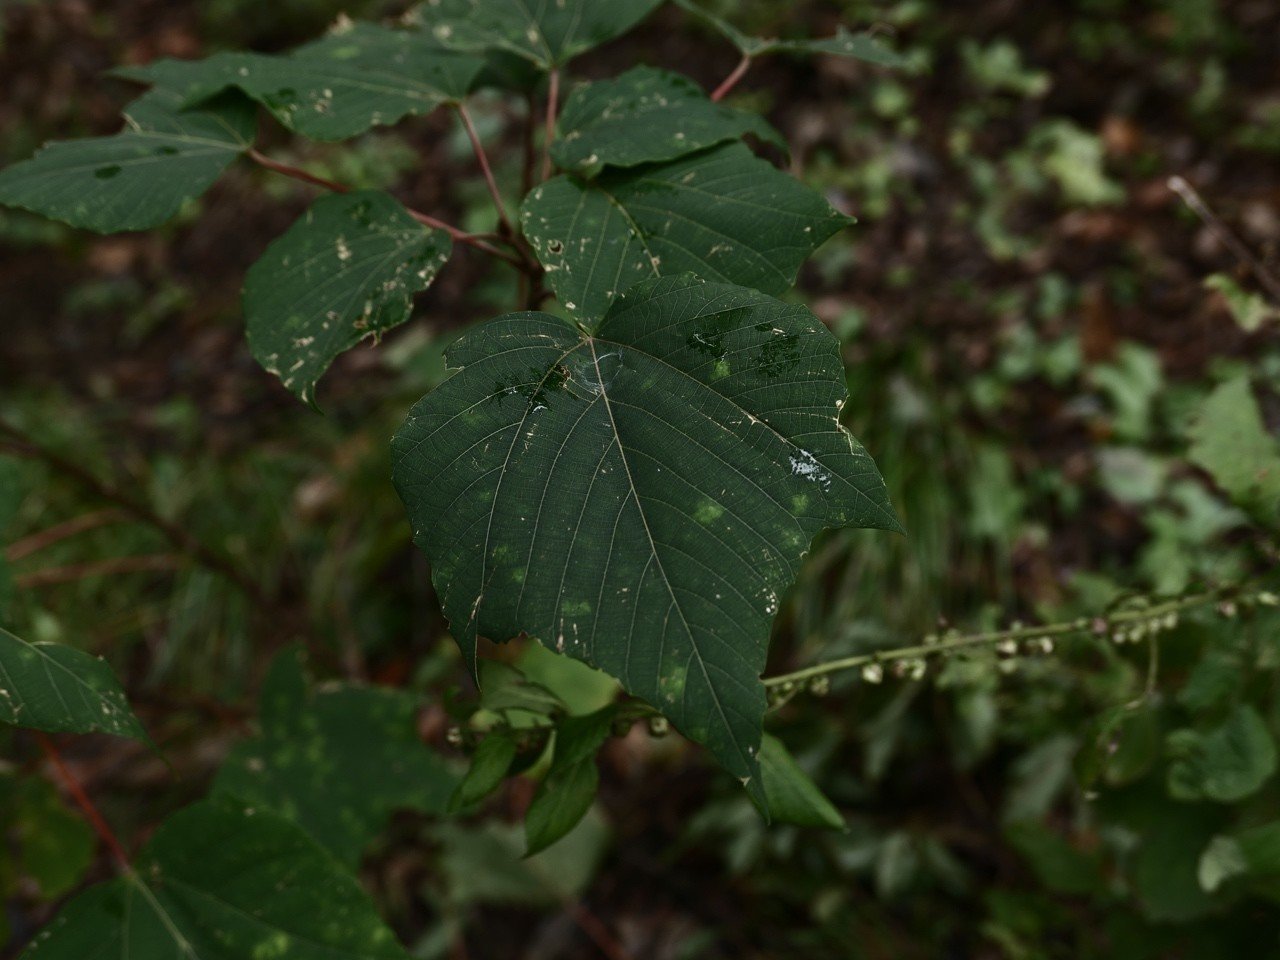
(629, 470)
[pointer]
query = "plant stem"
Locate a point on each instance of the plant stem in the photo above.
(182, 541)
(732, 79)
(1224, 233)
(62, 531)
(530, 148)
(73, 787)
(298, 174)
(1096, 625)
(553, 103)
(483, 158)
(147, 563)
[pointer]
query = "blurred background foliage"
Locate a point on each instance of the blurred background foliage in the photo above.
(1049, 356)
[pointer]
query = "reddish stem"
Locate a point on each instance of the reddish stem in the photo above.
(81, 798)
(732, 79)
(423, 218)
(553, 103)
(483, 158)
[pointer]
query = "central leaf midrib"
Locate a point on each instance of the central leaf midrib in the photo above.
(653, 548)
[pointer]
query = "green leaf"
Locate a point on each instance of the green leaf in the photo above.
(645, 116)
(336, 88)
(546, 32)
(567, 791)
(489, 765)
(347, 270)
(138, 178)
(640, 497)
(223, 882)
(1226, 764)
(1254, 852)
(338, 762)
(1251, 310)
(51, 845)
(859, 46)
(486, 864)
(58, 689)
(723, 214)
(1060, 865)
(793, 797)
(1230, 440)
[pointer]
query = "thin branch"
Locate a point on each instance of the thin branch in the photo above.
(147, 563)
(1147, 617)
(181, 540)
(1224, 233)
(81, 798)
(485, 169)
(732, 79)
(460, 236)
(36, 542)
(553, 104)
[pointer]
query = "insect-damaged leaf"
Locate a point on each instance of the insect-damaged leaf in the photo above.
(546, 32)
(338, 87)
(645, 116)
(58, 689)
(723, 214)
(639, 497)
(338, 761)
(859, 46)
(140, 177)
(220, 881)
(346, 271)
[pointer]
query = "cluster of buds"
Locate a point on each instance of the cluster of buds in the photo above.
(1140, 630)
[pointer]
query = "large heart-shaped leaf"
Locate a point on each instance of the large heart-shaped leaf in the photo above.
(546, 32)
(645, 116)
(347, 270)
(338, 87)
(140, 177)
(58, 689)
(723, 214)
(859, 46)
(220, 881)
(338, 761)
(639, 497)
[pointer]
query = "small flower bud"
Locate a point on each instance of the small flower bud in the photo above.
(659, 726)
(873, 673)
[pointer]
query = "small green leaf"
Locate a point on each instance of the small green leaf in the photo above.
(566, 793)
(57, 689)
(356, 78)
(346, 271)
(138, 178)
(50, 844)
(639, 497)
(1251, 310)
(1230, 440)
(645, 116)
(859, 46)
(793, 797)
(1251, 853)
(546, 32)
(220, 881)
(337, 762)
(1227, 764)
(485, 863)
(723, 214)
(1060, 865)
(489, 765)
